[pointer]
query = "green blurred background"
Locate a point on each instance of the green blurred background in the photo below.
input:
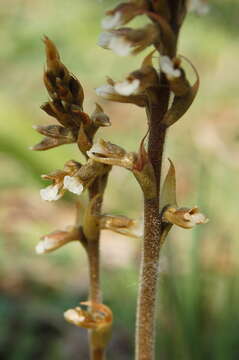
(198, 314)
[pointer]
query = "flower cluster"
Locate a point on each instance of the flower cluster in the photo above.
(66, 106)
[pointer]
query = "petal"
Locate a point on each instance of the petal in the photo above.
(111, 21)
(105, 90)
(120, 46)
(73, 184)
(104, 39)
(127, 88)
(50, 193)
(168, 68)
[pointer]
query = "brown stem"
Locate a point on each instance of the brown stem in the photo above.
(94, 270)
(145, 327)
(93, 251)
(145, 322)
(98, 354)
(156, 109)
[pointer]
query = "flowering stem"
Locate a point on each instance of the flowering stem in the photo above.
(145, 323)
(93, 251)
(148, 283)
(94, 270)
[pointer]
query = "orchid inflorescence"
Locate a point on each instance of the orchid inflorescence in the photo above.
(145, 87)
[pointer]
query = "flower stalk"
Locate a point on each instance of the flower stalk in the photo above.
(148, 87)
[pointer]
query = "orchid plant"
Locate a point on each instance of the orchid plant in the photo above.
(149, 87)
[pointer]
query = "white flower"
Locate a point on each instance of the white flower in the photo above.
(199, 6)
(73, 316)
(51, 193)
(168, 68)
(194, 217)
(185, 217)
(105, 39)
(46, 245)
(73, 184)
(115, 42)
(120, 46)
(127, 88)
(105, 90)
(111, 21)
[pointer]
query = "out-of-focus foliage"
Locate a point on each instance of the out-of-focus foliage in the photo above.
(199, 293)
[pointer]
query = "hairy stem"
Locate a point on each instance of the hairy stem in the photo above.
(145, 323)
(148, 283)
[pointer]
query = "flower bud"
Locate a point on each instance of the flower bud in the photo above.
(50, 143)
(99, 118)
(60, 83)
(122, 225)
(83, 140)
(184, 217)
(111, 154)
(56, 131)
(56, 240)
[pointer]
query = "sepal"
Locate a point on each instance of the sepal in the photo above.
(181, 104)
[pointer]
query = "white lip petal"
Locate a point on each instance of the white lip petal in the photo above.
(46, 245)
(40, 248)
(127, 88)
(120, 46)
(73, 184)
(73, 316)
(111, 21)
(50, 193)
(105, 90)
(168, 68)
(105, 39)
